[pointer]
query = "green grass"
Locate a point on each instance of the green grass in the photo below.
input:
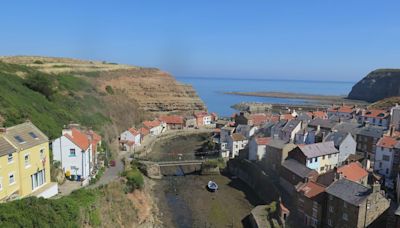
(75, 100)
(38, 212)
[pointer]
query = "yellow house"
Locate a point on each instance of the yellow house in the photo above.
(9, 170)
(30, 165)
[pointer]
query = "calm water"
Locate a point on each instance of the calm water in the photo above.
(211, 90)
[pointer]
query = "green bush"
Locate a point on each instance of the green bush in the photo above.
(41, 83)
(37, 62)
(134, 179)
(109, 90)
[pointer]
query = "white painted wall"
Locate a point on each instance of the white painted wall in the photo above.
(347, 147)
(256, 152)
(128, 136)
(381, 166)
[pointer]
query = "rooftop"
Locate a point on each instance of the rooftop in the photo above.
(263, 140)
(324, 123)
(349, 191)
(172, 119)
(318, 149)
(311, 189)
(353, 171)
(371, 131)
(25, 135)
(78, 138)
(238, 137)
(297, 168)
(6, 147)
(151, 124)
(388, 142)
(336, 137)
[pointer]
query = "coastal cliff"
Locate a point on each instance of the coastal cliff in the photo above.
(377, 85)
(109, 97)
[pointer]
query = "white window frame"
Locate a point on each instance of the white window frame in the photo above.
(8, 158)
(9, 175)
(27, 165)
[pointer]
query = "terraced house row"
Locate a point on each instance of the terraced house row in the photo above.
(24, 163)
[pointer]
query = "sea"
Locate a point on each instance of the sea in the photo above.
(212, 90)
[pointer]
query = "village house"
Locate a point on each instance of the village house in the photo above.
(344, 142)
(225, 134)
(25, 163)
(246, 130)
(74, 151)
(172, 121)
(311, 203)
(203, 119)
(236, 142)
(352, 171)
(367, 138)
(276, 153)
(318, 114)
(293, 173)
(289, 131)
(277, 128)
(375, 117)
(155, 127)
(129, 139)
(387, 156)
(322, 127)
(351, 204)
(266, 129)
(305, 136)
(395, 117)
(321, 157)
(258, 119)
(343, 111)
(190, 121)
(257, 148)
(351, 127)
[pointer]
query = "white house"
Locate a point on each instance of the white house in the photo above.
(129, 139)
(344, 142)
(236, 142)
(155, 127)
(246, 130)
(74, 151)
(384, 156)
(375, 117)
(345, 112)
(203, 118)
(257, 148)
(289, 131)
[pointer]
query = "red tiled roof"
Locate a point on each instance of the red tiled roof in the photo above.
(172, 119)
(353, 171)
(344, 108)
(263, 140)
(387, 142)
(376, 113)
(151, 124)
(200, 114)
(319, 114)
(286, 117)
(311, 189)
(133, 131)
(258, 119)
(144, 131)
(78, 138)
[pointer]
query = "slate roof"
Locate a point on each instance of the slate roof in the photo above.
(336, 137)
(277, 143)
(323, 123)
(6, 147)
(371, 131)
(27, 132)
(318, 149)
(292, 124)
(349, 191)
(350, 127)
(297, 168)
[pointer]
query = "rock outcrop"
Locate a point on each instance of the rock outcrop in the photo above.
(377, 85)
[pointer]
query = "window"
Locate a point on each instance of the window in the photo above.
(345, 217)
(11, 179)
(72, 153)
(315, 213)
(344, 204)
(310, 160)
(26, 159)
(380, 165)
(385, 158)
(10, 158)
(33, 135)
(38, 179)
(19, 139)
(316, 159)
(322, 168)
(330, 209)
(42, 153)
(330, 197)
(329, 156)
(323, 157)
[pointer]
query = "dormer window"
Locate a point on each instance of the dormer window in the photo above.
(19, 139)
(33, 135)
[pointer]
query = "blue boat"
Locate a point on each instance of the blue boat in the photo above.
(212, 186)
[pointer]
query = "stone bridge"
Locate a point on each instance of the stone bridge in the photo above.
(157, 170)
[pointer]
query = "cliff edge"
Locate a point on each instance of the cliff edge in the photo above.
(377, 85)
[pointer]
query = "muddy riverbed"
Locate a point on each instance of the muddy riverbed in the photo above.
(185, 201)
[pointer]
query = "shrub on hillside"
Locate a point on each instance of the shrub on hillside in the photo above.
(109, 90)
(134, 179)
(41, 83)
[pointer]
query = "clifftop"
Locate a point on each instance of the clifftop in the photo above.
(377, 85)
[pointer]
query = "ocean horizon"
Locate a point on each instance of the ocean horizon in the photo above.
(212, 90)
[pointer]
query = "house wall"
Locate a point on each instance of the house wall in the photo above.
(395, 117)
(6, 169)
(382, 166)
(256, 152)
(236, 146)
(347, 147)
(156, 130)
(367, 145)
(274, 157)
(61, 151)
(334, 214)
(375, 121)
(328, 162)
(37, 162)
(128, 136)
(310, 211)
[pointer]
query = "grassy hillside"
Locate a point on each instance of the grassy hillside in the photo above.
(49, 101)
(385, 103)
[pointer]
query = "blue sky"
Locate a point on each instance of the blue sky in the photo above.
(318, 40)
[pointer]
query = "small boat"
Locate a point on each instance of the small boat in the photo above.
(212, 186)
